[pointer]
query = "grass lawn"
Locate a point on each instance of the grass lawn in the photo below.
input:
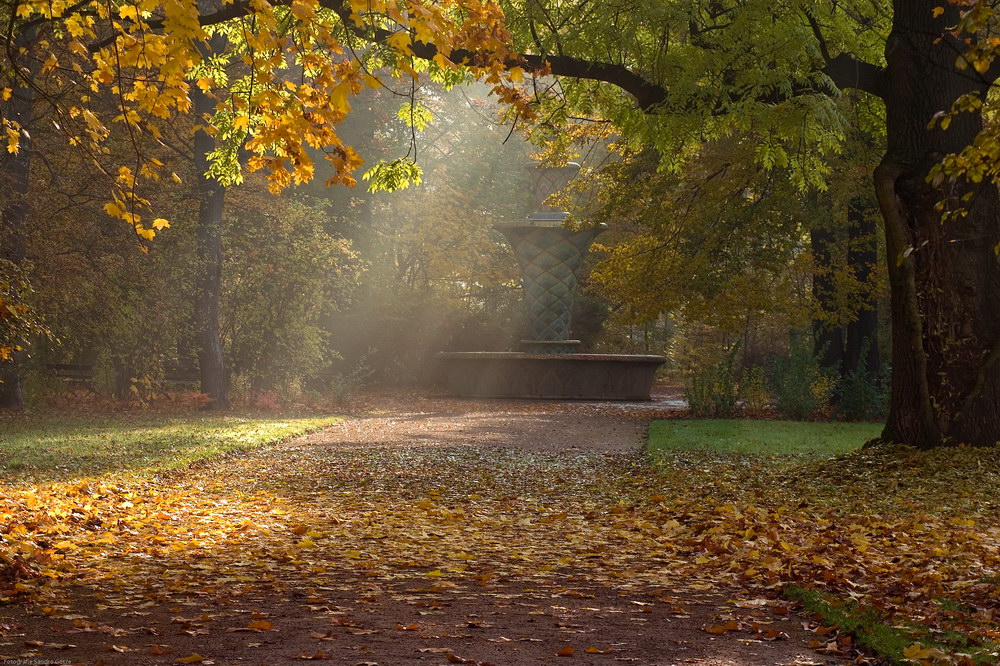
(53, 447)
(772, 438)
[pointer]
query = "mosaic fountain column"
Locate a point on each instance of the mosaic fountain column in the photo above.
(550, 257)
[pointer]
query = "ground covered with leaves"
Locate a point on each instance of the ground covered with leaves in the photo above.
(424, 531)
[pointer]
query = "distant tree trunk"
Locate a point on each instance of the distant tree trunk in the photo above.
(862, 257)
(211, 195)
(15, 170)
(123, 380)
(828, 340)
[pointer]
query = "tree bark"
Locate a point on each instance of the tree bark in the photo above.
(212, 195)
(862, 257)
(944, 276)
(15, 169)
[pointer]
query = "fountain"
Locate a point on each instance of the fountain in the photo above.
(547, 365)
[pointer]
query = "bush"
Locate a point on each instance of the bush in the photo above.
(862, 395)
(754, 391)
(800, 388)
(713, 390)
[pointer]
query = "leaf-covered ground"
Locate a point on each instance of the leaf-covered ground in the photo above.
(442, 532)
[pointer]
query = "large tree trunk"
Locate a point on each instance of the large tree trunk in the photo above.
(862, 257)
(15, 169)
(211, 195)
(944, 277)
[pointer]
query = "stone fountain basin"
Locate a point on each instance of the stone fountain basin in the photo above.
(550, 376)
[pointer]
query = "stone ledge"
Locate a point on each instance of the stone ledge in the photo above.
(550, 376)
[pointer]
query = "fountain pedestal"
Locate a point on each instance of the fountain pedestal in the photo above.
(550, 376)
(546, 366)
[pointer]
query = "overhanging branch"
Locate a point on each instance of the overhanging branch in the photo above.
(844, 70)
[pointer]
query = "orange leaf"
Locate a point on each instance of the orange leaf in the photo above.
(566, 652)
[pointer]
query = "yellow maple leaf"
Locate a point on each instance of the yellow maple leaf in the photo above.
(400, 41)
(339, 97)
(113, 209)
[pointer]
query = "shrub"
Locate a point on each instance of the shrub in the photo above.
(754, 391)
(341, 385)
(713, 389)
(800, 388)
(862, 395)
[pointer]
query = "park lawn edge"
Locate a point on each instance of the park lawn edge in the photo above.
(765, 438)
(870, 631)
(207, 456)
(181, 458)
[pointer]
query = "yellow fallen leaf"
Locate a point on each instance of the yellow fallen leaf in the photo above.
(191, 659)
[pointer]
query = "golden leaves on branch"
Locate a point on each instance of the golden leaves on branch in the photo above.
(297, 77)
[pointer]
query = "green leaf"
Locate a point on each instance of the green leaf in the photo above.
(415, 115)
(392, 176)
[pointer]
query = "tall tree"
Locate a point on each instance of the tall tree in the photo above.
(15, 168)
(211, 210)
(945, 304)
(861, 341)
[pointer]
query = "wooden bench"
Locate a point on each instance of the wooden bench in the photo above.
(81, 375)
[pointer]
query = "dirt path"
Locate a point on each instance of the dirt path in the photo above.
(419, 531)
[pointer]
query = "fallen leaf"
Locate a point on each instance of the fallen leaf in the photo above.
(408, 627)
(328, 636)
(566, 651)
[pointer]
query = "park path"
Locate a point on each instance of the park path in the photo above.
(416, 531)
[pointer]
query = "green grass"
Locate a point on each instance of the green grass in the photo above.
(889, 642)
(51, 447)
(770, 438)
